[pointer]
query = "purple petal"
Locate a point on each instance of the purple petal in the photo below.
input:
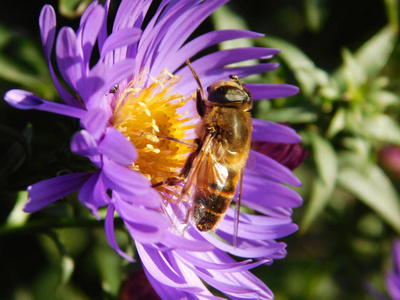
(103, 34)
(85, 145)
(245, 250)
(93, 95)
(393, 278)
(166, 292)
(47, 191)
(227, 288)
(267, 131)
(270, 193)
(396, 255)
(117, 147)
(95, 121)
(259, 219)
(144, 225)
(261, 165)
(257, 189)
(160, 270)
(393, 285)
(129, 13)
(123, 37)
(119, 72)
(207, 40)
(256, 232)
(86, 14)
(227, 283)
(182, 22)
(69, 60)
(93, 194)
(271, 91)
(109, 229)
(232, 266)
(90, 28)
(150, 199)
(47, 24)
(226, 57)
(154, 32)
(123, 179)
(102, 79)
(26, 100)
(183, 243)
(208, 75)
(275, 212)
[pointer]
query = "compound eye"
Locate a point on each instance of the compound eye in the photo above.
(227, 94)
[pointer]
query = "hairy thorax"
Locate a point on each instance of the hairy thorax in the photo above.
(232, 129)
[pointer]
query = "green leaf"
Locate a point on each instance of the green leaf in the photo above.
(353, 73)
(327, 166)
(315, 14)
(325, 158)
(392, 10)
(67, 268)
(5, 36)
(109, 265)
(373, 188)
(17, 217)
(15, 73)
(226, 18)
(72, 8)
(382, 128)
(290, 114)
(368, 60)
(66, 261)
(374, 54)
(307, 74)
(385, 98)
(320, 194)
(337, 123)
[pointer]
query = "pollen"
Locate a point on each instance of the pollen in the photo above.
(147, 114)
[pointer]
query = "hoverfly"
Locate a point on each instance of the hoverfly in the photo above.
(214, 169)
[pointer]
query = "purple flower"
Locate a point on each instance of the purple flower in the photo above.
(139, 93)
(389, 160)
(393, 278)
(289, 155)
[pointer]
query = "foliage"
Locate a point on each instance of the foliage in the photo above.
(347, 112)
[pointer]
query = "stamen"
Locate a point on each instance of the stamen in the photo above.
(147, 115)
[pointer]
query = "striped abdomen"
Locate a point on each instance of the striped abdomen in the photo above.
(212, 199)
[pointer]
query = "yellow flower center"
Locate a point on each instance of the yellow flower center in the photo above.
(148, 117)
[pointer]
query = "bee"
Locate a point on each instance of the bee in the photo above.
(215, 168)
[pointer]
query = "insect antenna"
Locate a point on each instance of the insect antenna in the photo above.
(196, 77)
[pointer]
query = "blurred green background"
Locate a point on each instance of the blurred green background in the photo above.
(344, 56)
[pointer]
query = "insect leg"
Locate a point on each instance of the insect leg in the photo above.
(237, 211)
(199, 103)
(200, 94)
(170, 138)
(171, 181)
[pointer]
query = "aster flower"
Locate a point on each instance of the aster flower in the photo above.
(393, 278)
(135, 105)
